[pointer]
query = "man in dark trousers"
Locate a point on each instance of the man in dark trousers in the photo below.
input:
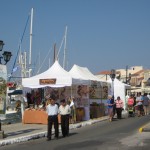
(52, 111)
(64, 111)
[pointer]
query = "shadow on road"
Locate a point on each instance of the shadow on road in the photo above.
(20, 132)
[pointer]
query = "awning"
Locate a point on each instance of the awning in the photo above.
(16, 92)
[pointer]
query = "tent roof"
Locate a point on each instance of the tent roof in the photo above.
(82, 73)
(90, 75)
(78, 72)
(119, 83)
(63, 78)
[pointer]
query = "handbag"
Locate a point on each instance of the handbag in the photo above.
(124, 114)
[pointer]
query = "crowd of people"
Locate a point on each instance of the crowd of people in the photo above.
(136, 104)
(140, 103)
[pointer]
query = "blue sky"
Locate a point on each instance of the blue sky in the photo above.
(102, 34)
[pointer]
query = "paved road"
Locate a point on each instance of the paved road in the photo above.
(117, 135)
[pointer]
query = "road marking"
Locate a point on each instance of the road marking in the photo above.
(141, 129)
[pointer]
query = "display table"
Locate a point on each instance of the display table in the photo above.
(36, 117)
(97, 111)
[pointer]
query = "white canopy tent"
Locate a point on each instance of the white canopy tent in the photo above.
(63, 78)
(119, 89)
(82, 73)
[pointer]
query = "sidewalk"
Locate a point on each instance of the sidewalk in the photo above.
(18, 132)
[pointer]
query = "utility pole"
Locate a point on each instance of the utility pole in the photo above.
(126, 74)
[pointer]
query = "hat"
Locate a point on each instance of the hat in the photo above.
(63, 101)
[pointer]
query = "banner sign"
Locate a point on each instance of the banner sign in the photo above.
(3, 88)
(47, 81)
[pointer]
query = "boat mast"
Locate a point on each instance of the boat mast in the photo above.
(64, 61)
(30, 50)
(23, 58)
(55, 53)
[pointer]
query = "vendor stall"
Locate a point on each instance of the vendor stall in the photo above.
(63, 84)
(84, 93)
(54, 80)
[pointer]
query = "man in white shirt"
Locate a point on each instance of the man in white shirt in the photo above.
(52, 111)
(64, 111)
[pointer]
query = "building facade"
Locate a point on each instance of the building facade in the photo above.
(136, 76)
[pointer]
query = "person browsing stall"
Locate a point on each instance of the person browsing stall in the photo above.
(64, 111)
(52, 111)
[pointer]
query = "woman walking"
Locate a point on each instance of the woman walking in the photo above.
(119, 107)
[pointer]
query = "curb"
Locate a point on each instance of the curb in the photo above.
(44, 134)
(144, 128)
(23, 138)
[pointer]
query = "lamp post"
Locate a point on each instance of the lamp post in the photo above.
(6, 57)
(128, 76)
(112, 76)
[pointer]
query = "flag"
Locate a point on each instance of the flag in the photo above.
(15, 69)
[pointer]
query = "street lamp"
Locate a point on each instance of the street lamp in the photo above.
(1, 45)
(112, 76)
(6, 57)
(129, 78)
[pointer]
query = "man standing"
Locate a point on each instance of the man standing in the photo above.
(52, 111)
(64, 111)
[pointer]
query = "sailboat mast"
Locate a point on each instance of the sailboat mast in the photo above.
(64, 61)
(30, 50)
